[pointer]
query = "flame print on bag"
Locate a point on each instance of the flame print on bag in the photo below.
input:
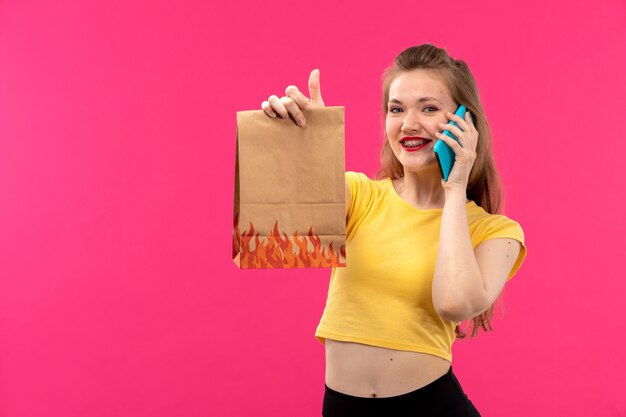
(274, 251)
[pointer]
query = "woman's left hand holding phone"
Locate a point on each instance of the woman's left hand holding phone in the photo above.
(464, 149)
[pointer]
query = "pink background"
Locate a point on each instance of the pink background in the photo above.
(118, 296)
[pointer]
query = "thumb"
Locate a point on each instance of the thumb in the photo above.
(314, 89)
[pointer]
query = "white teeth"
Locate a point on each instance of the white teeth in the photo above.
(413, 143)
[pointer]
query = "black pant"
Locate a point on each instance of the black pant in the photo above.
(443, 397)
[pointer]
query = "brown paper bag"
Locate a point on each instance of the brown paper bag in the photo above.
(289, 209)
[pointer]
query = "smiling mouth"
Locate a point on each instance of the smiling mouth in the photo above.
(414, 144)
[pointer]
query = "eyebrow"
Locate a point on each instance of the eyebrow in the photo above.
(421, 100)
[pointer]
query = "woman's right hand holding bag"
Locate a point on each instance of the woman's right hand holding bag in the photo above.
(293, 102)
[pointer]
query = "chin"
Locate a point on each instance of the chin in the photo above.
(420, 167)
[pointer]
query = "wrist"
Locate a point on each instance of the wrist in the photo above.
(455, 193)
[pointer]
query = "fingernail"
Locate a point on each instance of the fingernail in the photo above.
(273, 114)
(301, 122)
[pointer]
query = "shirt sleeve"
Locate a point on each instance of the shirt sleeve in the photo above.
(361, 199)
(500, 226)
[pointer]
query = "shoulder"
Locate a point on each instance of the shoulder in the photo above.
(360, 179)
(358, 182)
(362, 193)
(357, 177)
(484, 225)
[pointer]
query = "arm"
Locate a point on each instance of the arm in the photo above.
(468, 281)
(348, 197)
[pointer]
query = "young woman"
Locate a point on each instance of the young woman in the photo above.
(424, 254)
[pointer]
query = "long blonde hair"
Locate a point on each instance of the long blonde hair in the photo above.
(484, 184)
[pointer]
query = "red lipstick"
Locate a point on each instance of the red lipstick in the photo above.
(414, 143)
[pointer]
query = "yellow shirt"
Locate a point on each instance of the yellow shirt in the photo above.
(383, 297)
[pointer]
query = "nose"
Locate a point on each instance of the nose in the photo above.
(411, 122)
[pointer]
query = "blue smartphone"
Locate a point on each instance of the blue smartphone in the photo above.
(444, 153)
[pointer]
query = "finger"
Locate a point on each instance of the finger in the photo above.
(456, 146)
(453, 129)
(314, 89)
(278, 107)
(293, 109)
(471, 119)
(459, 121)
(301, 100)
(268, 109)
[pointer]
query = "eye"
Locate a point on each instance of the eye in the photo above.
(391, 110)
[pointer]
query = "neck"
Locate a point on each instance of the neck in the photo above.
(422, 189)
